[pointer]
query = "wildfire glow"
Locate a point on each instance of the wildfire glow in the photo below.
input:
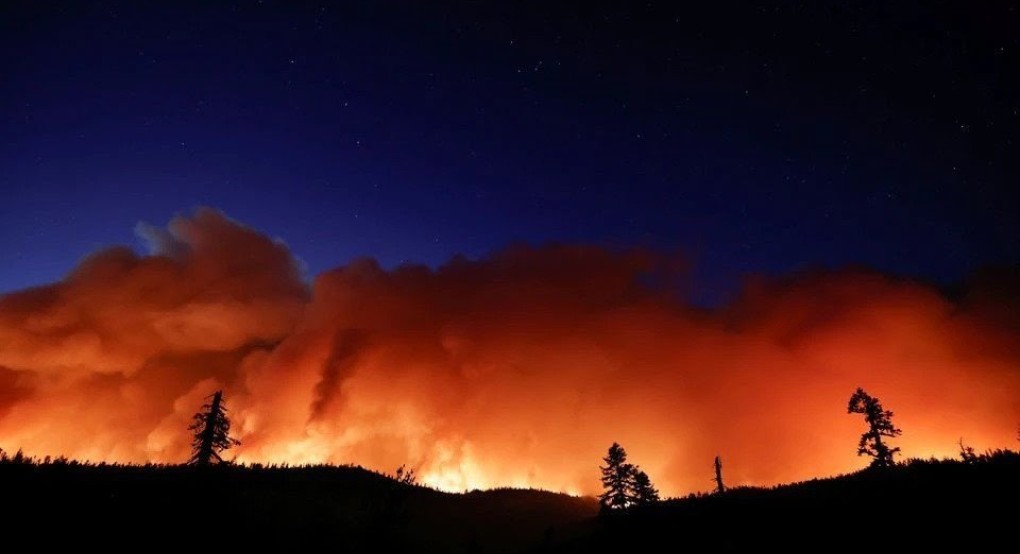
(515, 370)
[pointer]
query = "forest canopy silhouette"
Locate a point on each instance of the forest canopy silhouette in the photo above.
(516, 369)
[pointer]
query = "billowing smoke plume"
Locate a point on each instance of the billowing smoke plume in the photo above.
(519, 369)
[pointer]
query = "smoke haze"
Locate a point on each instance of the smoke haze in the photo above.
(518, 369)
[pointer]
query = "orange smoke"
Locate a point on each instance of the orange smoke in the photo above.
(517, 370)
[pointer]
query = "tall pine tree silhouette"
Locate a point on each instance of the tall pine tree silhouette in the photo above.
(616, 479)
(879, 425)
(212, 432)
(644, 492)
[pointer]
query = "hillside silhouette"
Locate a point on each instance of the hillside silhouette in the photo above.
(918, 504)
(940, 505)
(342, 508)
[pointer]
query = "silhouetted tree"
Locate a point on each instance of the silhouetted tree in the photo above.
(616, 479)
(642, 490)
(406, 476)
(879, 425)
(719, 486)
(967, 453)
(212, 432)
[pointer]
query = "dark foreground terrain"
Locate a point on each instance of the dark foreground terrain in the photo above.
(922, 505)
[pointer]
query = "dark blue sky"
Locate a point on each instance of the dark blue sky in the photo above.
(750, 137)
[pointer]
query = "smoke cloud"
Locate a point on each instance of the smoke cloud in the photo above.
(518, 369)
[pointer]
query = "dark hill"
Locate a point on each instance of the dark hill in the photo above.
(937, 506)
(922, 505)
(278, 508)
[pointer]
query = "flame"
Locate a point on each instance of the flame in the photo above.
(514, 370)
(454, 470)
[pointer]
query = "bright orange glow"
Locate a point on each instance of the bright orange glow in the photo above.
(516, 370)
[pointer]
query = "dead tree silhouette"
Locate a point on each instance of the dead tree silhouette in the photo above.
(212, 432)
(719, 486)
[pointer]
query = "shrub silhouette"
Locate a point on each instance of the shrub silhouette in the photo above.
(967, 453)
(406, 476)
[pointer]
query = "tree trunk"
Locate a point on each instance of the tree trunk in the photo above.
(719, 487)
(880, 450)
(205, 452)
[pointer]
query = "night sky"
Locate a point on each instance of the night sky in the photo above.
(747, 137)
